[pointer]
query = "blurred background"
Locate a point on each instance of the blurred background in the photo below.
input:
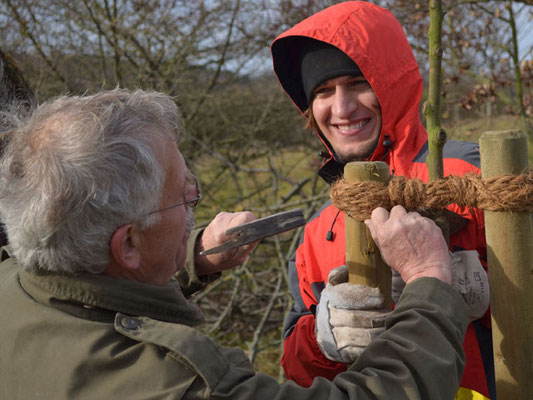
(244, 138)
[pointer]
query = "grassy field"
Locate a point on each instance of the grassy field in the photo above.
(471, 130)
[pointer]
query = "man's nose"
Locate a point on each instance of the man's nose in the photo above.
(344, 103)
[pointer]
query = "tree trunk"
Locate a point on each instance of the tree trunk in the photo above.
(436, 135)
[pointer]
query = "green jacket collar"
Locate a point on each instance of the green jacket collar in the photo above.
(99, 297)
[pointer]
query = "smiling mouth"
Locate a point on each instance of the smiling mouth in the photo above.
(357, 125)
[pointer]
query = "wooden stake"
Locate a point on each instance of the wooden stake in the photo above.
(510, 262)
(363, 260)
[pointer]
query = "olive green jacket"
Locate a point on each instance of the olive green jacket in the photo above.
(96, 337)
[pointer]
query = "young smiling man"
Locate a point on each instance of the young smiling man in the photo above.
(350, 70)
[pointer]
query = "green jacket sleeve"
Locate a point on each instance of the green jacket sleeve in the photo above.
(419, 356)
(189, 281)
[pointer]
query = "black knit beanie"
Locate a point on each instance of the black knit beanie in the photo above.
(321, 61)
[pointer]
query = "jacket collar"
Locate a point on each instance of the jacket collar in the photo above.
(331, 170)
(99, 297)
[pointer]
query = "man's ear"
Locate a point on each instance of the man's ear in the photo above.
(124, 248)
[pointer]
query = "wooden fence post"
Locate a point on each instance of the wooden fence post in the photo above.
(510, 263)
(363, 260)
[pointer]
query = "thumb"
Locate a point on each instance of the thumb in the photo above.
(338, 275)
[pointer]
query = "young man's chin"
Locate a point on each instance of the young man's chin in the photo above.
(357, 155)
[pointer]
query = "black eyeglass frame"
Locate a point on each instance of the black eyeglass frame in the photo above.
(191, 203)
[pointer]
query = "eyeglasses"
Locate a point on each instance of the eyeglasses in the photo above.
(191, 180)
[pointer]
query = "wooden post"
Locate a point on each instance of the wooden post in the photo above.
(363, 260)
(510, 262)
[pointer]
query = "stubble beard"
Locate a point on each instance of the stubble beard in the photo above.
(363, 155)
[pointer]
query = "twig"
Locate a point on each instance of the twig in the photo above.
(259, 329)
(228, 307)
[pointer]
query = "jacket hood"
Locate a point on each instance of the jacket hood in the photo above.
(375, 40)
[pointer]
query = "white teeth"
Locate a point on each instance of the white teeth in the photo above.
(358, 125)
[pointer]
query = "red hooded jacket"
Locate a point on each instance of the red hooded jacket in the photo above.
(374, 39)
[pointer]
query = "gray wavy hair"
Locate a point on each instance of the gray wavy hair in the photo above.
(77, 169)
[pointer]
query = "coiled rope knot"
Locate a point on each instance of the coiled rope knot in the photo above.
(498, 193)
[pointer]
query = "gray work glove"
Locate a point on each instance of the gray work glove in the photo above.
(348, 317)
(469, 278)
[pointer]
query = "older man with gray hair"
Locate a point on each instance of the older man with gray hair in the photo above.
(97, 202)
